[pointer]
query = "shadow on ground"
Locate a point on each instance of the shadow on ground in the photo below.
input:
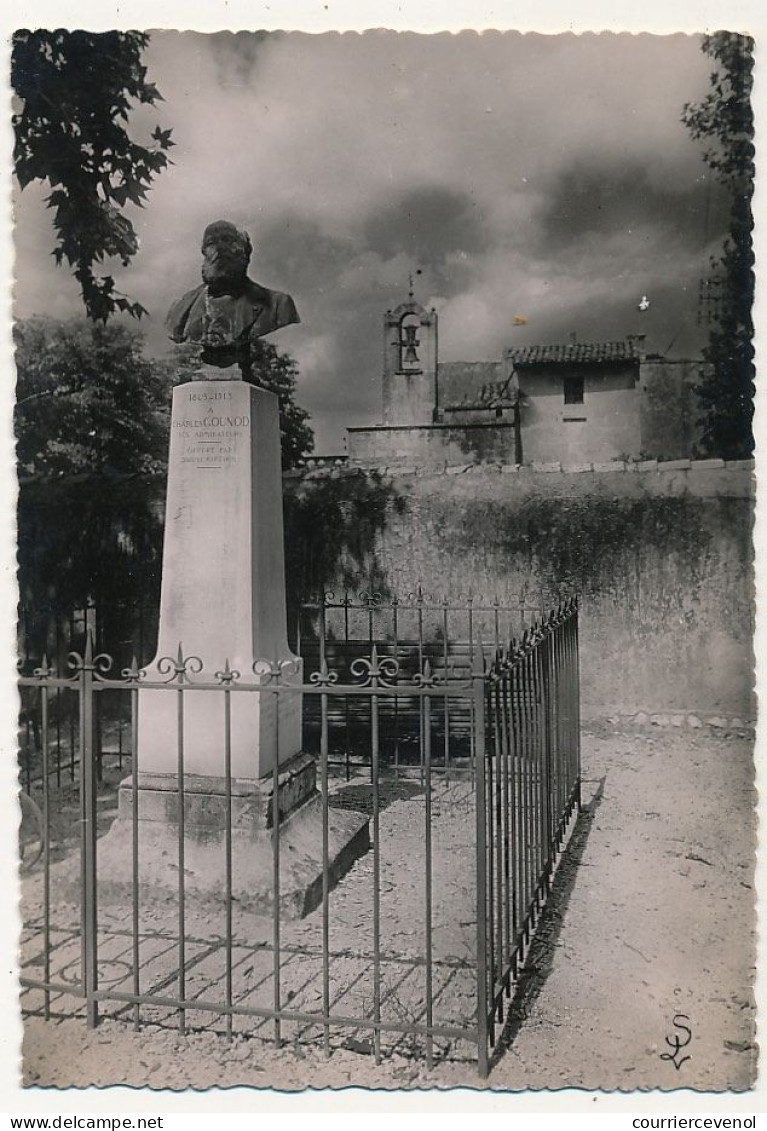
(540, 958)
(359, 795)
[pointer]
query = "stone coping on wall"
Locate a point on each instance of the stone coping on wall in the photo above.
(438, 425)
(692, 720)
(564, 469)
(681, 470)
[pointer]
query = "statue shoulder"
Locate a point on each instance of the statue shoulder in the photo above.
(178, 315)
(281, 307)
(285, 312)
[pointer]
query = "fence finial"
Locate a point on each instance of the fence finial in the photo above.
(132, 672)
(479, 666)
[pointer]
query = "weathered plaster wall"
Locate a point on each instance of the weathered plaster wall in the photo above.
(409, 393)
(605, 426)
(661, 556)
(438, 444)
(409, 398)
(640, 412)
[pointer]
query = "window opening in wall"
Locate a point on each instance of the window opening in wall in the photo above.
(409, 343)
(573, 390)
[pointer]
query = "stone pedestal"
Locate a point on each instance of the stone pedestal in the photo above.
(223, 609)
(223, 585)
(251, 828)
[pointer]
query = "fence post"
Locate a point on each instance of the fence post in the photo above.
(478, 697)
(577, 680)
(88, 827)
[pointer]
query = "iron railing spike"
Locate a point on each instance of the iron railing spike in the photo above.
(525, 767)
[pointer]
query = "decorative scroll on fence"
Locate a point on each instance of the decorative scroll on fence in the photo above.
(465, 756)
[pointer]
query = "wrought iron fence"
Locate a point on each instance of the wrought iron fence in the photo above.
(530, 782)
(332, 629)
(416, 949)
(338, 629)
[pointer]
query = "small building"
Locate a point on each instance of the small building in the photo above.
(580, 402)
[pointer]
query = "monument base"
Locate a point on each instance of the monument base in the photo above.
(205, 808)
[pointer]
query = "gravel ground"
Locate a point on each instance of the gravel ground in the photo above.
(652, 916)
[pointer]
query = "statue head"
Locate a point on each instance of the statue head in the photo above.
(229, 310)
(226, 252)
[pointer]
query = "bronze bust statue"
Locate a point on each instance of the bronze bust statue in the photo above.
(228, 310)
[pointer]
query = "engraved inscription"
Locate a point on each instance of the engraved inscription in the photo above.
(209, 434)
(213, 395)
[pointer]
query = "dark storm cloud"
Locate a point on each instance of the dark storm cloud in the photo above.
(294, 248)
(607, 199)
(428, 224)
(669, 323)
(548, 176)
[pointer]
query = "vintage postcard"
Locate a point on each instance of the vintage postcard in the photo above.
(385, 473)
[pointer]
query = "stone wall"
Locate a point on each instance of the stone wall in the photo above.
(435, 444)
(661, 555)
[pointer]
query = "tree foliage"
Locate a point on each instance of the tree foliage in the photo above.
(333, 522)
(723, 120)
(271, 369)
(92, 424)
(91, 433)
(88, 400)
(76, 90)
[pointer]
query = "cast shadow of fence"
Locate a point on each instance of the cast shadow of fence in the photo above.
(540, 959)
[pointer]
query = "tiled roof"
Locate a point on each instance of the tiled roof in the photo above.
(578, 352)
(495, 394)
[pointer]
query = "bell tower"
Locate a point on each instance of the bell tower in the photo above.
(410, 364)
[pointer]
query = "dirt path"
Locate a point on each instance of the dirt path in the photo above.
(652, 917)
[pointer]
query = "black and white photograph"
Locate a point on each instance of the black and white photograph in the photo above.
(384, 603)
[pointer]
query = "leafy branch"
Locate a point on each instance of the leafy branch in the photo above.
(724, 121)
(76, 91)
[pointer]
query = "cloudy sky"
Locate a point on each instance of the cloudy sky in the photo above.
(544, 176)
